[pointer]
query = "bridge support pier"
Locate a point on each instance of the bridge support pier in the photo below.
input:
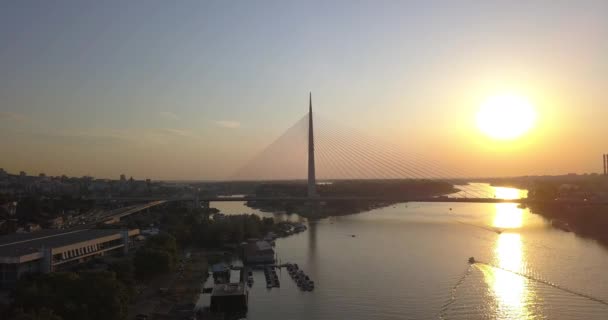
(312, 210)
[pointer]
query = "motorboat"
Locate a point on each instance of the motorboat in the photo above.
(472, 260)
(562, 225)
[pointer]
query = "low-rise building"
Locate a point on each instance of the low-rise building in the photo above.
(150, 232)
(55, 223)
(32, 227)
(229, 297)
(258, 252)
(10, 207)
(221, 272)
(52, 250)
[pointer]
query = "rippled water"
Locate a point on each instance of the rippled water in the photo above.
(409, 261)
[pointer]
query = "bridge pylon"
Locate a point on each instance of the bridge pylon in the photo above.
(312, 180)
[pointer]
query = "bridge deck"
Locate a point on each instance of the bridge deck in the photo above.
(376, 199)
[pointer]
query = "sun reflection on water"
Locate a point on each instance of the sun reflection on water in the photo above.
(509, 193)
(508, 216)
(510, 290)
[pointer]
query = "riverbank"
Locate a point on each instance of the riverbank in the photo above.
(164, 296)
(343, 188)
(325, 209)
(589, 222)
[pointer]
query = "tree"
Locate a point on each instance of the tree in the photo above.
(149, 262)
(158, 255)
(71, 296)
(29, 209)
(42, 314)
(163, 242)
(125, 273)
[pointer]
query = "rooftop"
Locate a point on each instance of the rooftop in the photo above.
(220, 267)
(229, 289)
(263, 245)
(15, 245)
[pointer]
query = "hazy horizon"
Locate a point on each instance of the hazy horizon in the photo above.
(194, 90)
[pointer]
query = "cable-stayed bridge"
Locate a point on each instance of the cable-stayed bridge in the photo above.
(329, 151)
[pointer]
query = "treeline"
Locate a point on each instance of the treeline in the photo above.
(586, 221)
(386, 188)
(346, 188)
(207, 230)
(38, 209)
(70, 296)
(589, 221)
(362, 188)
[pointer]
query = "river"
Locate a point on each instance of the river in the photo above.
(409, 261)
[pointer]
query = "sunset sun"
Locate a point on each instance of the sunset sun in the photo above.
(506, 117)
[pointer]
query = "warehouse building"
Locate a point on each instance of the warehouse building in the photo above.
(51, 250)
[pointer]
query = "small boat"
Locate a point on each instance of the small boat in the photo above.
(268, 285)
(562, 225)
(472, 260)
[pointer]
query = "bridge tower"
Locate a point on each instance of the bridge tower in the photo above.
(312, 181)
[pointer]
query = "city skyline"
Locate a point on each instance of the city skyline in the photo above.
(193, 91)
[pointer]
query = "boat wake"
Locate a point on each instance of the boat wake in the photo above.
(549, 283)
(446, 306)
(491, 229)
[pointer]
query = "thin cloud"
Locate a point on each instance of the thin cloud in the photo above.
(125, 135)
(178, 132)
(168, 115)
(11, 116)
(231, 124)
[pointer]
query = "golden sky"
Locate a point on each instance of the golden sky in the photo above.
(194, 91)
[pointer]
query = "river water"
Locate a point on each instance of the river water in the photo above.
(409, 261)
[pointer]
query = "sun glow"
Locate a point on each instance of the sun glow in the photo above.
(506, 117)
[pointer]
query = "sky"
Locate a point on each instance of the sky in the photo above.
(195, 89)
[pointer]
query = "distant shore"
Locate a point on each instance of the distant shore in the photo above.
(585, 221)
(589, 221)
